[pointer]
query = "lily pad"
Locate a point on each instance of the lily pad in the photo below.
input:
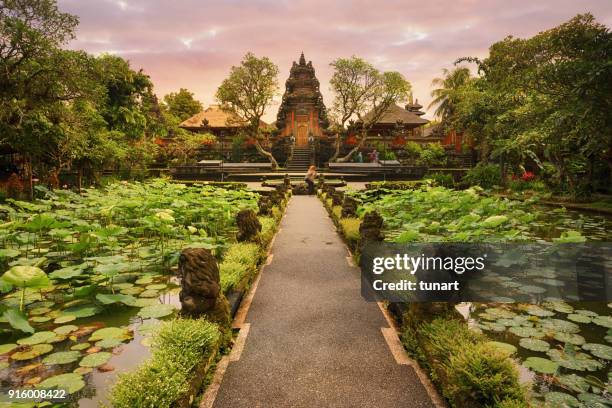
(149, 293)
(95, 359)
(156, 286)
(534, 344)
(579, 318)
(63, 330)
(599, 350)
(82, 370)
(33, 352)
(574, 361)
(541, 365)
(558, 325)
(569, 338)
(80, 346)
(62, 357)
(526, 332)
(71, 382)
(38, 338)
(142, 302)
(108, 299)
(85, 310)
(64, 319)
(506, 348)
(7, 348)
(109, 343)
(156, 311)
(574, 382)
(536, 310)
(560, 400)
(604, 321)
(590, 400)
(145, 280)
(110, 333)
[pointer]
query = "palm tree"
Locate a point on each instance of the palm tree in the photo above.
(447, 86)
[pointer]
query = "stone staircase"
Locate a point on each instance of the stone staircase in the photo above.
(300, 161)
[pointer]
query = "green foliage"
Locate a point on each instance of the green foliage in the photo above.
(413, 150)
(268, 229)
(245, 253)
(232, 274)
(350, 228)
(441, 179)
(182, 104)
(445, 97)
(469, 371)
(484, 175)
(337, 212)
(482, 376)
(433, 155)
(179, 346)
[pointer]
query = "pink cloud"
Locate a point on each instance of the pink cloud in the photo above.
(193, 44)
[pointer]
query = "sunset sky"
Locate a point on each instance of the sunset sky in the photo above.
(192, 44)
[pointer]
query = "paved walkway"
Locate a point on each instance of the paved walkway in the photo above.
(313, 340)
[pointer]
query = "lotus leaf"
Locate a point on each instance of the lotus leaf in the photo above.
(40, 319)
(108, 299)
(599, 350)
(579, 318)
(560, 400)
(63, 330)
(156, 311)
(109, 343)
(585, 312)
(145, 280)
(142, 302)
(39, 311)
(534, 344)
(84, 310)
(535, 310)
(62, 357)
(80, 346)
(148, 328)
(68, 272)
(33, 352)
(149, 294)
(82, 370)
(526, 332)
(604, 321)
(569, 338)
(157, 286)
(590, 400)
(558, 325)
(38, 338)
(9, 253)
(17, 320)
(64, 319)
(110, 333)
(132, 291)
(7, 348)
(494, 221)
(71, 382)
(26, 277)
(506, 348)
(541, 365)
(95, 359)
(574, 382)
(574, 361)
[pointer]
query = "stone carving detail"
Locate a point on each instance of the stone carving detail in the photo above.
(349, 207)
(200, 287)
(371, 228)
(249, 226)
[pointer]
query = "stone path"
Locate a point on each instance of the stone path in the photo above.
(313, 340)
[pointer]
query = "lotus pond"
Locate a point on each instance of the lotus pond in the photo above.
(86, 278)
(563, 348)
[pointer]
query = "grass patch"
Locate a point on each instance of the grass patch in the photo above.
(232, 275)
(268, 229)
(246, 253)
(469, 372)
(179, 346)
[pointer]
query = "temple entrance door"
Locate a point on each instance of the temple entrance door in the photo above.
(302, 135)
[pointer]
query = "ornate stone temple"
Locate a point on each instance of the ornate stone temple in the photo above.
(302, 112)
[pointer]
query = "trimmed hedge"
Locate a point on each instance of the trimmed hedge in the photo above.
(179, 346)
(468, 371)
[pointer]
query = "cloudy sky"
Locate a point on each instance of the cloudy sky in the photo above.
(192, 44)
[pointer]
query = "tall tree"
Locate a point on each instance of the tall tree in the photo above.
(445, 95)
(182, 104)
(362, 95)
(247, 92)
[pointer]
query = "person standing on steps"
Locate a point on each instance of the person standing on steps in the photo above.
(310, 177)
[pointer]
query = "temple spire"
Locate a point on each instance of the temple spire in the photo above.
(302, 59)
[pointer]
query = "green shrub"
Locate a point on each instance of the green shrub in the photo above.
(231, 274)
(481, 376)
(484, 175)
(350, 228)
(433, 155)
(268, 228)
(277, 214)
(534, 185)
(337, 212)
(441, 179)
(413, 150)
(245, 253)
(178, 347)
(469, 372)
